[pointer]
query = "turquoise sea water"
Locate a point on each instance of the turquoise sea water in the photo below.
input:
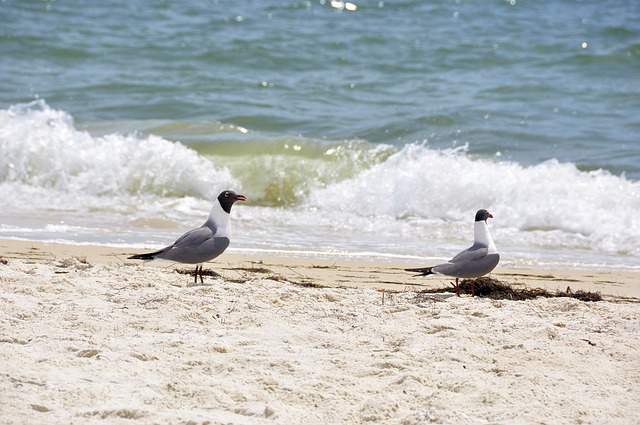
(377, 131)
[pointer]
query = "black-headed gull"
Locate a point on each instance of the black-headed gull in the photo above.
(481, 258)
(204, 243)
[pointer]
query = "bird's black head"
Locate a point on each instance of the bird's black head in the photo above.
(483, 215)
(228, 198)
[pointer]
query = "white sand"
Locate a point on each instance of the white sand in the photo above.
(112, 343)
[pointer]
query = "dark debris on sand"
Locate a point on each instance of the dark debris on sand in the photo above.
(205, 272)
(244, 278)
(494, 289)
(486, 287)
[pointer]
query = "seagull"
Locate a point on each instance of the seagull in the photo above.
(476, 261)
(204, 243)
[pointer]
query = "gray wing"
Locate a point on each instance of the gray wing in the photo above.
(470, 263)
(474, 253)
(193, 237)
(195, 246)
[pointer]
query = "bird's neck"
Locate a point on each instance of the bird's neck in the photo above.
(220, 220)
(482, 236)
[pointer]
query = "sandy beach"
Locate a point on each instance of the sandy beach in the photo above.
(87, 336)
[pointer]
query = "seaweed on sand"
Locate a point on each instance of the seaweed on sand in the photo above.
(492, 288)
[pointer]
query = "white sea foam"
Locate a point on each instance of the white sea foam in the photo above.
(42, 148)
(64, 183)
(551, 204)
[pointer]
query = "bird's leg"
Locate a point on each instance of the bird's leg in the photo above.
(473, 292)
(457, 288)
(201, 273)
(195, 275)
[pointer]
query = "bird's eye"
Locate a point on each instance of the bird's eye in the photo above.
(226, 194)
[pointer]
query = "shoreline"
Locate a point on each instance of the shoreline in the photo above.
(356, 273)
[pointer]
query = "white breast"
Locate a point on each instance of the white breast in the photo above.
(482, 236)
(221, 219)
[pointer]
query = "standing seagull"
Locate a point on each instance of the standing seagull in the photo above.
(204, 243)
(476, 261)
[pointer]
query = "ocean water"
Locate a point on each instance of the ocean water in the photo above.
(368, 129)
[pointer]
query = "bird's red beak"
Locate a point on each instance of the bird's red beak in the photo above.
(490, 216)
(240, 198)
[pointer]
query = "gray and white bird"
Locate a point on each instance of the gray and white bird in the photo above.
(204, 243)
(479, 259)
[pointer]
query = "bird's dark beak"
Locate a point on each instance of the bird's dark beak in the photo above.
(490, 216)
(240, 198)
